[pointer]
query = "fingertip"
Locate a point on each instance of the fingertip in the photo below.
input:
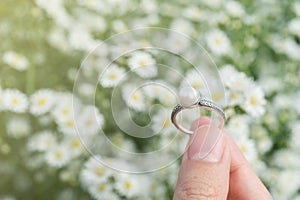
(200, 122)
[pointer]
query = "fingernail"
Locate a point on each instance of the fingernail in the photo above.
(206, 144)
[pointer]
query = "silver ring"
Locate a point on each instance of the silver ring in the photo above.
(204, 103)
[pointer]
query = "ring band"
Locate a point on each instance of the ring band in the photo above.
(204, 103)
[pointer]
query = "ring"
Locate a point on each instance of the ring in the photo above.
(189, 99)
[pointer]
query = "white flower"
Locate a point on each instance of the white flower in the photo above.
(177, 43)
(286, 158)
(128, 185)
(162, 91)
(1, 99)
(74, 145)
(294, 27)
(296, 7)
(255, 102)
(42, 101)
(80, 39)
(193, 13)
(238, 126)
(102, 191)
(234, 97)
(89, 120)
(143, 64)
(247, 146)
(182, 26)
(234, 9)
(15, 60)
(18, 127)
(67, 125)
(112, 76)
(195, 80)
(42, 141)
(286, 185)
(290, 48)
(133, 97)
(94, 172)
(58, 156)
(15, 101)
(218, 42)
(213, 3)
(65, 105)
(161, 123)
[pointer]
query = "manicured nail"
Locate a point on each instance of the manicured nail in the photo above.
(206, 144)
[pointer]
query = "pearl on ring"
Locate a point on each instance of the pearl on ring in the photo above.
(188, 96)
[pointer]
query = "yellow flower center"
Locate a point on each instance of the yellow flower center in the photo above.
(101, 187)
(16, 60)
(65, 111)
(167, 123)
(135, 97)
(42, 101)
(15, 101)
(88, 122)
(196, 85)
(243, 148)
(70, 123)
(143, 63)
(58, 154)
(128, 184)
(234, 95)
(112, 76)
(218, 41)
(75, 143)
(100, 171)
(253, 100)
(217, 96)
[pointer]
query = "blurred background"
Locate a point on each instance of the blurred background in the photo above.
(254, 44)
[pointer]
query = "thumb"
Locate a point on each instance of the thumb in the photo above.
(204, 172)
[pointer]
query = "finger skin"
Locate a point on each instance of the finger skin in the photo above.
(244, 183)
(203, 180)
(231, 178)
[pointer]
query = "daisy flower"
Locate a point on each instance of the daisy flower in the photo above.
(74, 144)
(193, 79)
(294, 27)
(133, 97)
(18, 127)
(296, 8)
(234, 9)
(102, 191)
(89, 120)
(67, 125)
(15, 61)
(162, 123)
(255, 102)
(127, 185)
(143, 64)
(86, 89)
(1, 99)
(234, 98)
(177, 43)
(112, 76)
(15, 101)
(41, 102)
(64, 108)
(247, 146)
(58, 156)
(238, 126)
(42, 141)
(218, 42)
(94, 172)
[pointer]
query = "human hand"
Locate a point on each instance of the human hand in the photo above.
(223, 174)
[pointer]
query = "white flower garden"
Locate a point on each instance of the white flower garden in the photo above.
(254, 44)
